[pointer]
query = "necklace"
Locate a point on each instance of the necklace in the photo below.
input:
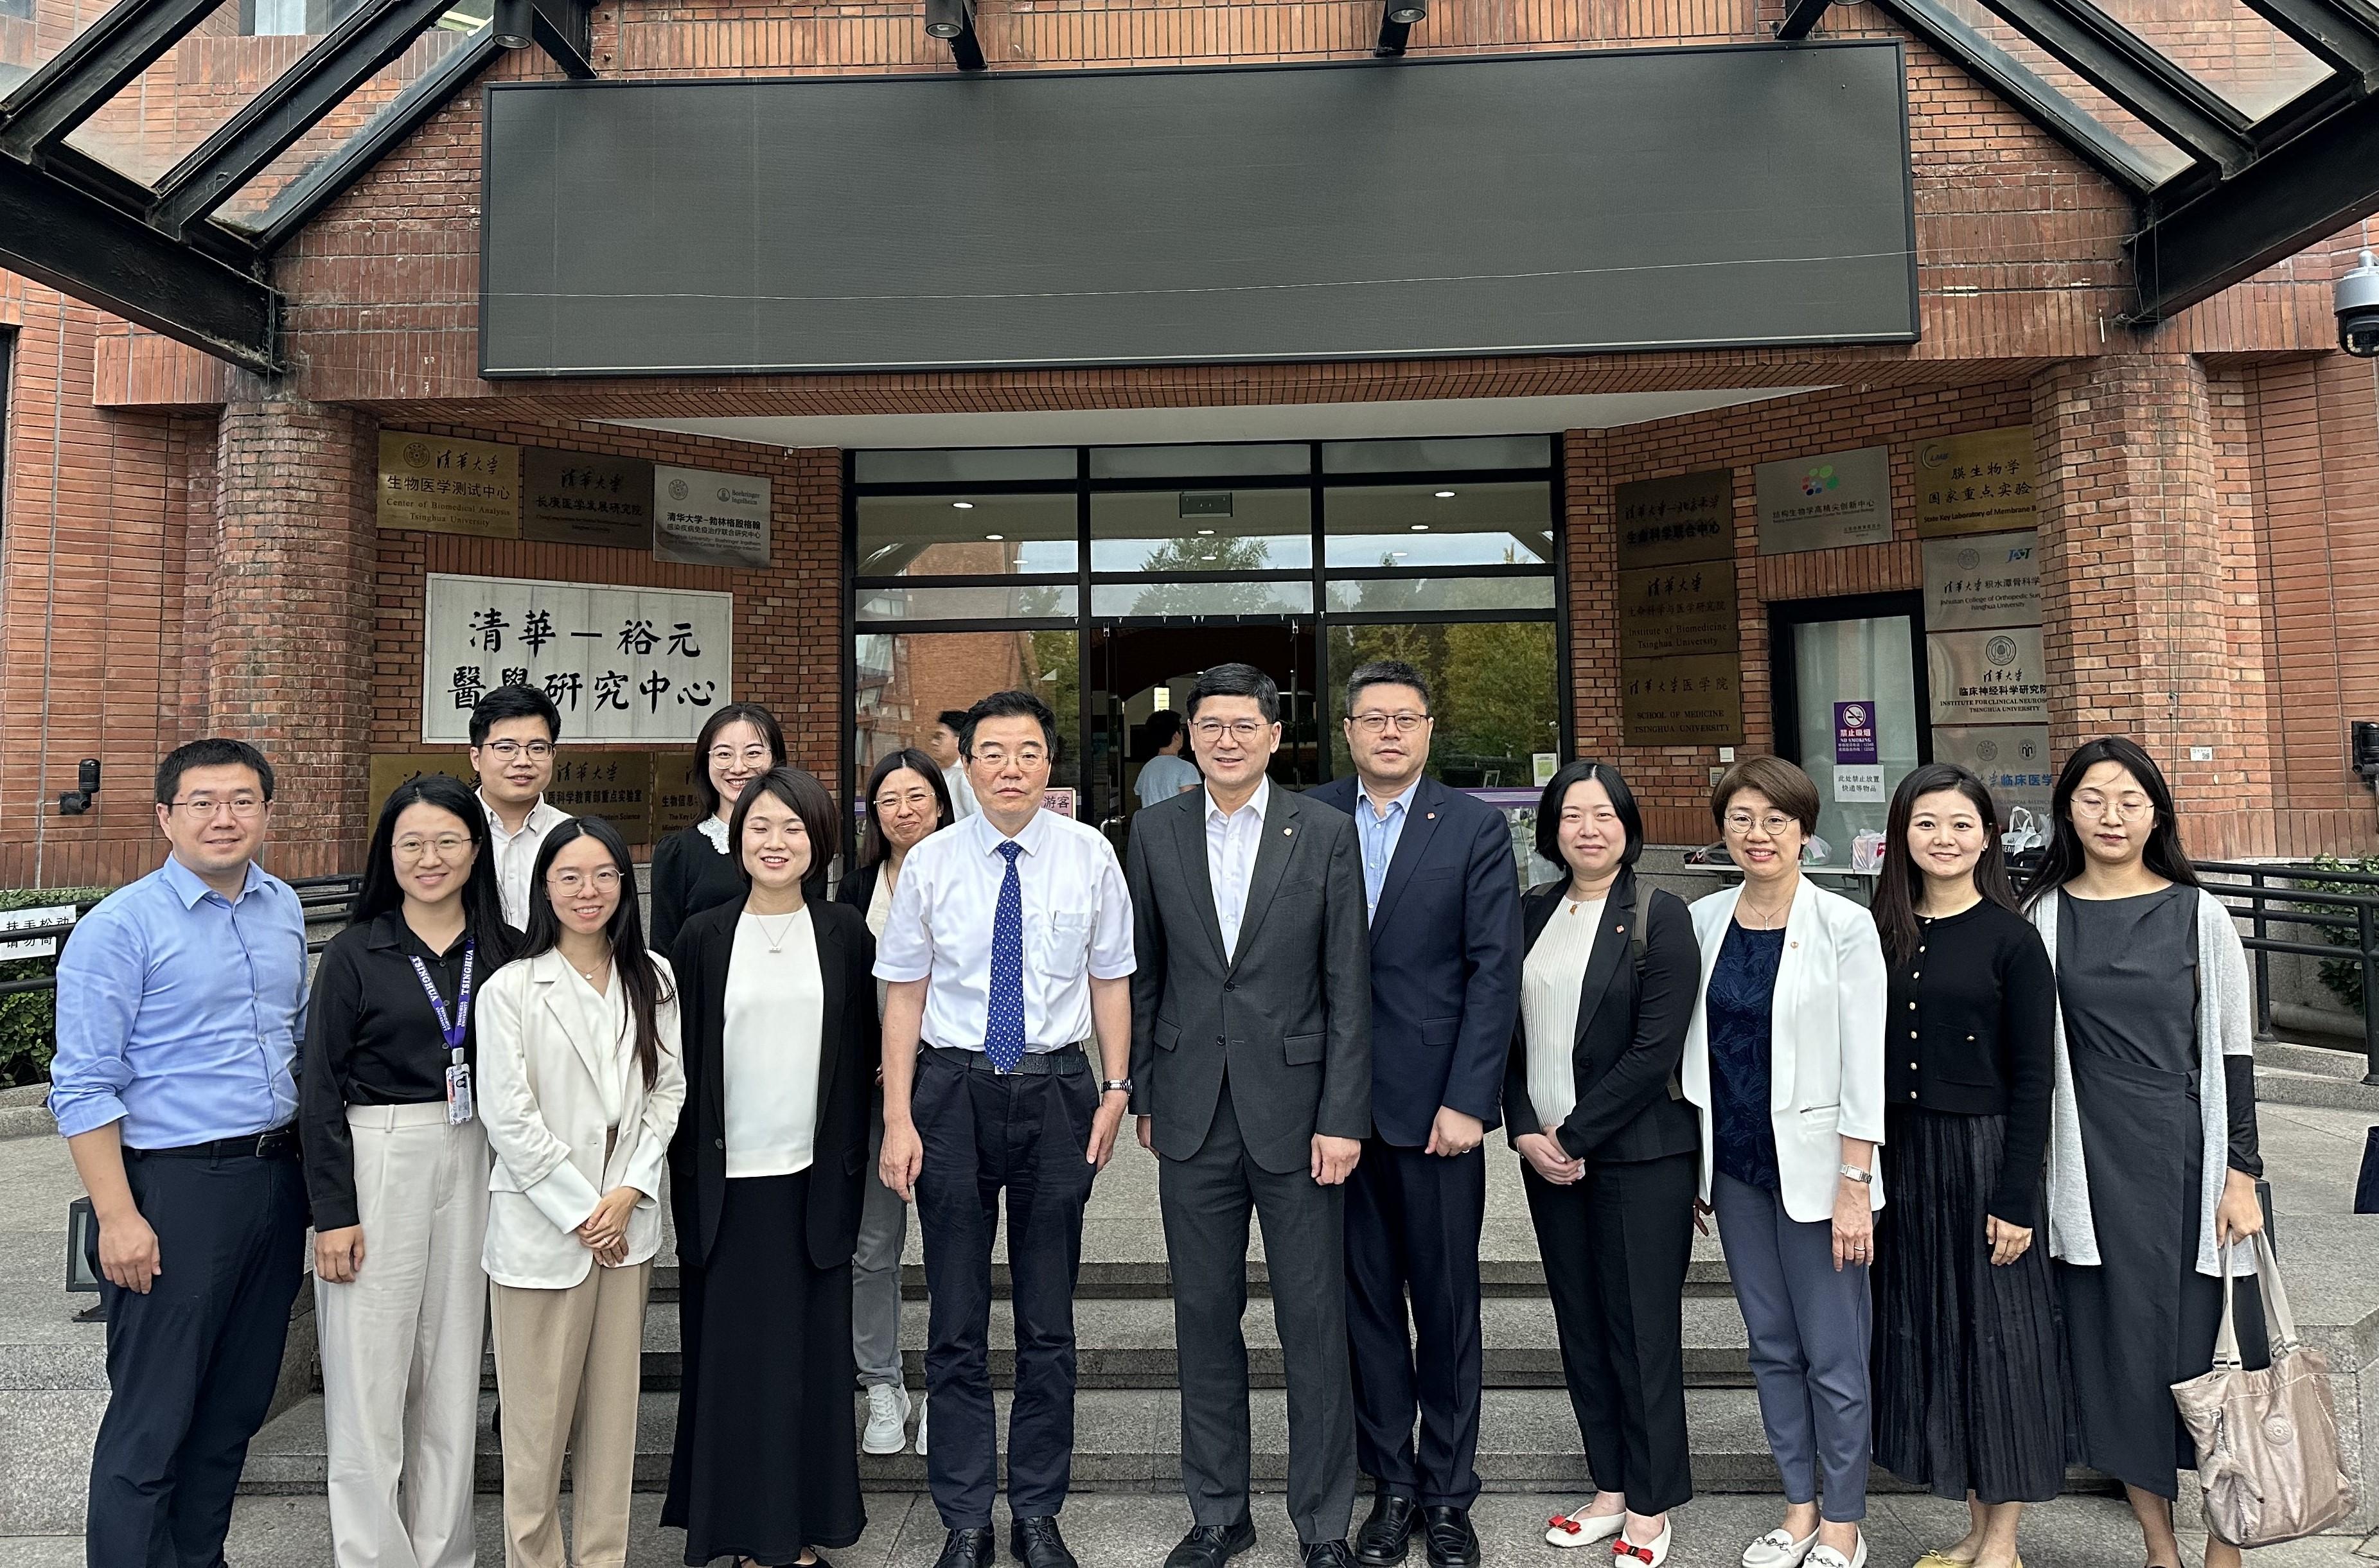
(1769, 919)
(588, 975)
(776, 942)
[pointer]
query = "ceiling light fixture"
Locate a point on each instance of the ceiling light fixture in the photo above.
(1421, 527)
(1445, 495)
(997, 538)
(963, 505)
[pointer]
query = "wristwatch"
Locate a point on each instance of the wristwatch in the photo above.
(1109, 1085)
(1854, 1173)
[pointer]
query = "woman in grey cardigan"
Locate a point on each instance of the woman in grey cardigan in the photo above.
(2152, 1147)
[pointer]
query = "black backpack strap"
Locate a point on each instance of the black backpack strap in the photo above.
(1633, 914)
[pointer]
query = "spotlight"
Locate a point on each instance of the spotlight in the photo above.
(515, 23)
(948, 19)
(1404, 13)
(1396, 19)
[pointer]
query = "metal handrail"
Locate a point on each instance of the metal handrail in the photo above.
(2262, 887)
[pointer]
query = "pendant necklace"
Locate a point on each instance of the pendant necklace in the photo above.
(776, 943)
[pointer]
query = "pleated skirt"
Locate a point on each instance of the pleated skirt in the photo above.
(1968, 1388)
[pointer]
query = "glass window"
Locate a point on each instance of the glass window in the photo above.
(1492, 688)
(1202, 530)
(1866, 662)
(1198, 462)
(969, 467)
(1453, 524)
(1452, 453)
(1202, 599)
(966, 535)
(2242, 57)
(1380, 595)
(1036, 601)
(906, 678)
(187, 95)
(2161, 158)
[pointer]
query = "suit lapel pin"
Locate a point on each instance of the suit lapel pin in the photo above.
(1433, 816)
(1288, 832)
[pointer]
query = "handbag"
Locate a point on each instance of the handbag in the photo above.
(2267, 1454)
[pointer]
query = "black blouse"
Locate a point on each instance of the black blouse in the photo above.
(688, 876)
(1981, 1038)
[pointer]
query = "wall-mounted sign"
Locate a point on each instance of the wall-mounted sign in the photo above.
(675, 805)
(1976, 484)
(1680, 517)
(576, 498)
(441, 485)
(1826, 502)
(1059, 801)
(1987, 677)
(34, 919)
(704, 518)
(2012, 759)
(1982, 580)
(1685, 609)
(1858, 764)
(611, 783)
(1692, 701)
(621, 663)
(390, 769)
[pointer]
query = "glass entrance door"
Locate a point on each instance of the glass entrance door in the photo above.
(1850, 706)
(1138, 672)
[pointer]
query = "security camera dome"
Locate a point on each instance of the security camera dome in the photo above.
(2358, 309)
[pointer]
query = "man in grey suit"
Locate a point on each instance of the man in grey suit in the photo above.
(1251, 1073)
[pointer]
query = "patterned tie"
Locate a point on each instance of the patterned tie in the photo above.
(1003, 1039)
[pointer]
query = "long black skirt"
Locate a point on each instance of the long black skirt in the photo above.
(1967, 1391)
(766, 1460)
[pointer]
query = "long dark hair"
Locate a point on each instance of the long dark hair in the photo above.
(624, 931)
(808, 800)
(2066, 856)
(1902, 883)
(483, 903)
(753, 714)
(873, 845)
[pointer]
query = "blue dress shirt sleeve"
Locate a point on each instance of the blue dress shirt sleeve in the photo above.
(102, 973)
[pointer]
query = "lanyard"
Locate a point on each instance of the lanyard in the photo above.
(462, 1019)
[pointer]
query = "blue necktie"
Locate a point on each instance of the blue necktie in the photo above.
(1003, 1039)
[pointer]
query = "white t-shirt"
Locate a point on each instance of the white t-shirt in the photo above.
(774, 1031)
(1550, 981)
(606, 1016)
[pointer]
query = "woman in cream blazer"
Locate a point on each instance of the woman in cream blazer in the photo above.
(580, 1086)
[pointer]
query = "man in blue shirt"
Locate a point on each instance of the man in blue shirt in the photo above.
(1169, 773)
(181, 999)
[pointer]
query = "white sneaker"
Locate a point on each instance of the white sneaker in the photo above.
(922, 1406)
(1581, 1529)
(888, 1419)
(1827, 1557)
(1777, 1548)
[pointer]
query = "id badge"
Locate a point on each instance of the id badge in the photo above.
(458, 1094)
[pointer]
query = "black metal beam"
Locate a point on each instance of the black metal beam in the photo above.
(82, 247)
(563, 30)
(268, 124)
(2294, 197)
(2173, 103)
(1800, 17)
(966, 48)
(2348, 39)
(1393, 36)
(98, 62)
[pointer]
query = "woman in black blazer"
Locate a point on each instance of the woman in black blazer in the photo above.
(1610, 1151)
(777, 1003)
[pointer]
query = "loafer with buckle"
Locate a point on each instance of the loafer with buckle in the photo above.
(1452, 1542)
(969, 1548)
(1387, 1534)
(1211, 1546)
(1037, 1544)
(1325, 1554)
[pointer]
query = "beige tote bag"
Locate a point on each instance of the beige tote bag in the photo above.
(2267, 1456)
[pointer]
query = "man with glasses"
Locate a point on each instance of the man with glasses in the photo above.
(1251, 1071)
(512, 732)
(1007, 947)
(180, 1001)
(1442, 889)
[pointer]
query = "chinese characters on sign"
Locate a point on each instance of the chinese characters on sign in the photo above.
(1982, 580)
(1682, 517)
(575, 498)
(618, 785)
(1680, 682)
(1667, 611)
(1694, 700)
(444, 485)
(1826, 502)
(1858, 763)
(1976, 484)
(710, 519)
(2012, 759)
(621, 663)
(1987, 677)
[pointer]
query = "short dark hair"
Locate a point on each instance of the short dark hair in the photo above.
(810, 801)
(1163, 725)
(213, 752)
(952, 718)
(1786, 787)
(1235, 680)
(706, 793)
(1557, 789)
(513, 702)
(1388, 672)
(1008, 705)
(873, 845)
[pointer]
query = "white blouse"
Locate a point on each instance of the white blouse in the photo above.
(606, 1012)
(774, 1030)
(1550, 981)
(879, 911)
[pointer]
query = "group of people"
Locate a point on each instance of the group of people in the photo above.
(1313, 1008)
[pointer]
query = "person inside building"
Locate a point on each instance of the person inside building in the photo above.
(396, 1164)
(1784, 1064)
(1608, 1149)
(1968, 1391)
(777, 1003)
(580, 1087)
(1169, 773)
(1008, 945)
(180, 1002)
(1444, 903)
(513, 732)
(906, 801)
(693, 868)
(2153, 1149)
(942, 742)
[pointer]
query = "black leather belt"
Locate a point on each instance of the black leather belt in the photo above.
(1064, 1060)
(277, 1143)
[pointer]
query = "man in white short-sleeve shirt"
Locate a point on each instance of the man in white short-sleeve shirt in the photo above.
(1008, 948)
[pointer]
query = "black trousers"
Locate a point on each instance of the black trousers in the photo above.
(1616, 1246)
(985, 1134)
(1413, 1220)
(191, 1366)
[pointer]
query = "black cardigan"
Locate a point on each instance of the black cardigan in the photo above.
(688, 876)
(1631, 1032)
(1982, 1042)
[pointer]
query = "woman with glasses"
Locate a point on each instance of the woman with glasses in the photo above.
(396, 1164)
(693, 869)
(580, 1085)
(1785, 1062)
(2153, 1153)
(907, 800)
(778, 1003)
(1969, 1399)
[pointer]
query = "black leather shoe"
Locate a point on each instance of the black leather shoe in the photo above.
(1036, 1543)
(1325, 1554)
(1386, 1535)
(1452, 1542)
(1211, 1546)
(969, 1548)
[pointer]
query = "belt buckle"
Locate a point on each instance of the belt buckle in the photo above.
(261, 1140)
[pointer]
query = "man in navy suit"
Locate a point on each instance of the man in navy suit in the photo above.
(1446, 948)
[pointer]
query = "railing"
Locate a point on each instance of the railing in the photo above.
(322, 897)
(2266, 896)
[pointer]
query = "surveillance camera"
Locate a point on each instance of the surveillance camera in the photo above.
(2358, 309)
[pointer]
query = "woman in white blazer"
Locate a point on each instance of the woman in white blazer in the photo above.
(1785, 1063)
(581, 1083)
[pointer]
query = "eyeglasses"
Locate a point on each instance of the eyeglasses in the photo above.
(1023, 756)
(1378, 723)
(448, 845)
(915, 800)
(727, 757)
(567, 883)
(243, 807)
(535, 750)
(1740, 822)
(1240, 730)
(2124, 808)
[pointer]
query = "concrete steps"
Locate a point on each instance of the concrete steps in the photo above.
(2317, 1076)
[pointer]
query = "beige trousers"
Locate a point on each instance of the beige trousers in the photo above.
(400, 1342)
(568, 1368)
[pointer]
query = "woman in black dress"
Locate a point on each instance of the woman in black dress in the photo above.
(779, 1009)
(1968, 1398)
(2151, 1146)
(691, 869)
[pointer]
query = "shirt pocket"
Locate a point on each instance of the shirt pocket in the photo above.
(1061, 944)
